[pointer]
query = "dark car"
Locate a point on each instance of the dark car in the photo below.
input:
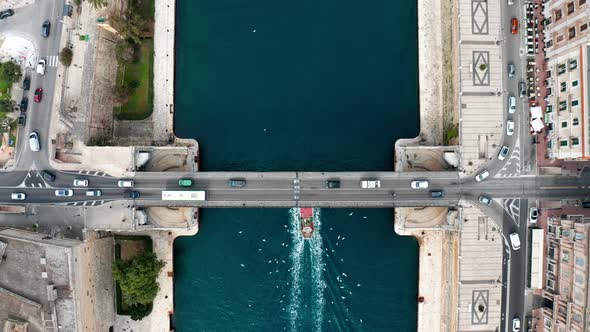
(38, 95)
(27, 83)
(24, 104)
(437, 194)
(22, 119)
(6, 13)
(586, 205)
(45, 29)
(333, 184)
(48, 176)
(133, 194)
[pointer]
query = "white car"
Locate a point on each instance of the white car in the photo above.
(485, 200)
(94, 193)
(419, 184)
(511, 104)
(41, 67)
(64, 193)
(515, 324)
(515, 242)
(80, 183)
(533, 215)
(509, 127)
(482, 176)
(18, 196)
(503, 152)
(125, 183)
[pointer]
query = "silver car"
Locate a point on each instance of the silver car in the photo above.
(511, 70)
(503, 152)
(64, 193)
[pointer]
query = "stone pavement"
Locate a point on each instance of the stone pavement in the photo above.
(481, 96)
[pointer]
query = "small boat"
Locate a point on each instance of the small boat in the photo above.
(306, 221)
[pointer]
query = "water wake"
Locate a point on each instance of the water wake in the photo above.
(296, 258)
(317, 275)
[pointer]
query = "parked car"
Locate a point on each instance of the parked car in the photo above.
(34, 142)
(503, 152)
(511, 70)
(509, 127)
(485, 200)
(533, 215)
(41, 67)
(22, 119)
(514, 25)
(24, 104)
(45, 28)
(586, 205)
(6, 13)
(133, 194)
(482, 176)
(419, 184)
(125, 183)
(64, 192)
(515, 324)
(27, 83)
(47, 176)
(437, 193)
(333, 184)
(185, 182)
(80, 183)
(18, 196)
(510, 2)
(237, 183)
(515, 241)
(38, 95)
(94, 193)
(511, 104)
(521, 89)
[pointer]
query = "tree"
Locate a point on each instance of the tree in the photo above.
(124, 52)
(137, 278)
(11, 72)
(65, 56)
(130, 25)
(96, 4)
(138, 311)
(7, 105)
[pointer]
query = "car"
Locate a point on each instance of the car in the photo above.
(515, 241)
(47, 176)
(45, 28)
(482, 176)
(533, 215)
(24, 104)
(34, 142)
(419, 184)
(185, 182)
(38, 95)
(437, 193)
(64, 192)
(27, 83)
(22, 120)
(511, 70)
(125, 183)
(80, 183)
(6, 13)
(94, 193)
(514, 25)
(18, 196)
(511, 104)
(510, 2)
(237, 183)
(333, 184)
(133, 194)
(509, 128)
(515, 324)
(503, 152)
(485, 200)
(521, 90)
(41, 67)
(586, 205)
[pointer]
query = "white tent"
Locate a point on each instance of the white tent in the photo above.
(536, 112)
(537, 125)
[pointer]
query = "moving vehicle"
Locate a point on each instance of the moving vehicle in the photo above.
(510, 2)
(38, 95)
(24, 104)
(509, 128)
(45, 28)
(125, 183)
(514, 25)
(511, 104)
(6, 13)
(482, 176)
(185, 182)
(47, 176)
(133, 194)
(515, 324)
(511, 70)
(180, 195)
(370, 184)
(586, 205)
(419, 184)
(64, 192)
(237, 183)
(34, 142)
(333, 184)
(94, 193)
(22, 120)
(521, 89)
(485, 200)
(41, 67)
(306, 222)
(80, 183)
(18, 196)
(27, 83)
(514, 241)
(503, 152)
(533, 215)
(437, 193)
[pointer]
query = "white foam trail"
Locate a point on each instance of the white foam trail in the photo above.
(317, 268)
(296, 258)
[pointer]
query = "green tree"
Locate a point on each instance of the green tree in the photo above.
(137, 278)
(65, 56)
(96, 4)
(130, 25)
(7, 105)
(124, 52)
(138, 311)
(11, 72)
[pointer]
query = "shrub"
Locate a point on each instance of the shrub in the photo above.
(65, 56)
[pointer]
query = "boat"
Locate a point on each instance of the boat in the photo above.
(306, 221)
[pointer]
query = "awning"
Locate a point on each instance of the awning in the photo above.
(536, 112)
(537, 125)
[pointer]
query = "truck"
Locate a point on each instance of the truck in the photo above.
(370, 184)
(183, 195)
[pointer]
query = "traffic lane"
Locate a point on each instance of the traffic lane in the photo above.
(47, 195)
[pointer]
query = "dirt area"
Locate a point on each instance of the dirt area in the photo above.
(169, 216)
(449, 28)
(133, 246)
(168, 160)
(6, 152)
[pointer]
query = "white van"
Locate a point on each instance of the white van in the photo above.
(125, 183)
(34, 142)
(514, 241)
(511, 104)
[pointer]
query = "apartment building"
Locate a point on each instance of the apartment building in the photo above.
(567, 43)
(566, 276)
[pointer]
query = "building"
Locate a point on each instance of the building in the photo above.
(565, 294)
(567, 43)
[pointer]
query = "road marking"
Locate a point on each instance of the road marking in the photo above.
(52, 61)
(560, 187)
(512, 207)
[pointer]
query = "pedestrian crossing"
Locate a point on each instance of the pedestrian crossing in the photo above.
(52, 60)
(86, 203)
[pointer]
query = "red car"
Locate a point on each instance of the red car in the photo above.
(514, 24)
(38, 95)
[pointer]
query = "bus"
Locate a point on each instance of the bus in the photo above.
(178, 195)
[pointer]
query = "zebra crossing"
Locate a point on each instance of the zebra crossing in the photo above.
(86, 203)
(89, 173)
(52, 60)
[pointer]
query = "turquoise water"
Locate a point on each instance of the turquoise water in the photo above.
(296, 85)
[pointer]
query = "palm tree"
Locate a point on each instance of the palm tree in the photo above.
(96, 4)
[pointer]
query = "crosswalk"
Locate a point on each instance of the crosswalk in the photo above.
(52, 60)
(86, 203)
